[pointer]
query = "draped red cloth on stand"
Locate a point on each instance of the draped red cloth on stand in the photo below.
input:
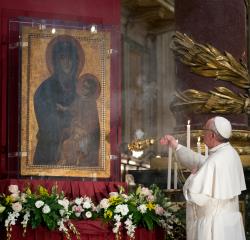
(88, 229)
(71, 189)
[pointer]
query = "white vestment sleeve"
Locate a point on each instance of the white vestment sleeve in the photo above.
(188, 158)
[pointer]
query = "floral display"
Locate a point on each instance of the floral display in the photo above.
(34, 209)
(146, 207)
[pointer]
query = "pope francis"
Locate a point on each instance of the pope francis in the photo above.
(213, 188)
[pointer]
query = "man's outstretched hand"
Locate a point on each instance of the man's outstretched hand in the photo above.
(169, 140)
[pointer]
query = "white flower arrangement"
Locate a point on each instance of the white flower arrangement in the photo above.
(35, 209)
(17, 207)
(46, 209)
(65, 203)
(130, 226)
(84, 208)
(88, 214)
(143, 208)
(39, 204)
(13, 189)
(104, 204)
(122, 209)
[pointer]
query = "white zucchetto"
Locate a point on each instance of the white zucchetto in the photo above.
(223, 126)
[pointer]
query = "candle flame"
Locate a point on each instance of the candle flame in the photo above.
(188, 122)
(199, 139)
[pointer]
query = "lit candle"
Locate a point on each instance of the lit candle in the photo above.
(175, 175)
(188, 134)
(199, 145)
(206, 151)
(170, 153)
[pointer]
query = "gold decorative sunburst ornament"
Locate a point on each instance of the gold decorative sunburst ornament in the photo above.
(208, 61)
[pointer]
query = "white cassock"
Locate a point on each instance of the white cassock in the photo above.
(212, 193)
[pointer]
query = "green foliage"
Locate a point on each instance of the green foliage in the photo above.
(145, 207)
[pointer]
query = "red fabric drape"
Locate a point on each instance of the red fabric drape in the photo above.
(72, 189)
(88, 229)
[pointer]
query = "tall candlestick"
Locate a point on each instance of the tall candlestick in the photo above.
(175, 175)
(176, 171)
(199, 145)
(188, 134)
(170, 153)
(206, 151)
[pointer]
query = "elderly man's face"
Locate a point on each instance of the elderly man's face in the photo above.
(208, 134)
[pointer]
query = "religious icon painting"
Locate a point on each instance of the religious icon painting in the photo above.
(65, 102)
